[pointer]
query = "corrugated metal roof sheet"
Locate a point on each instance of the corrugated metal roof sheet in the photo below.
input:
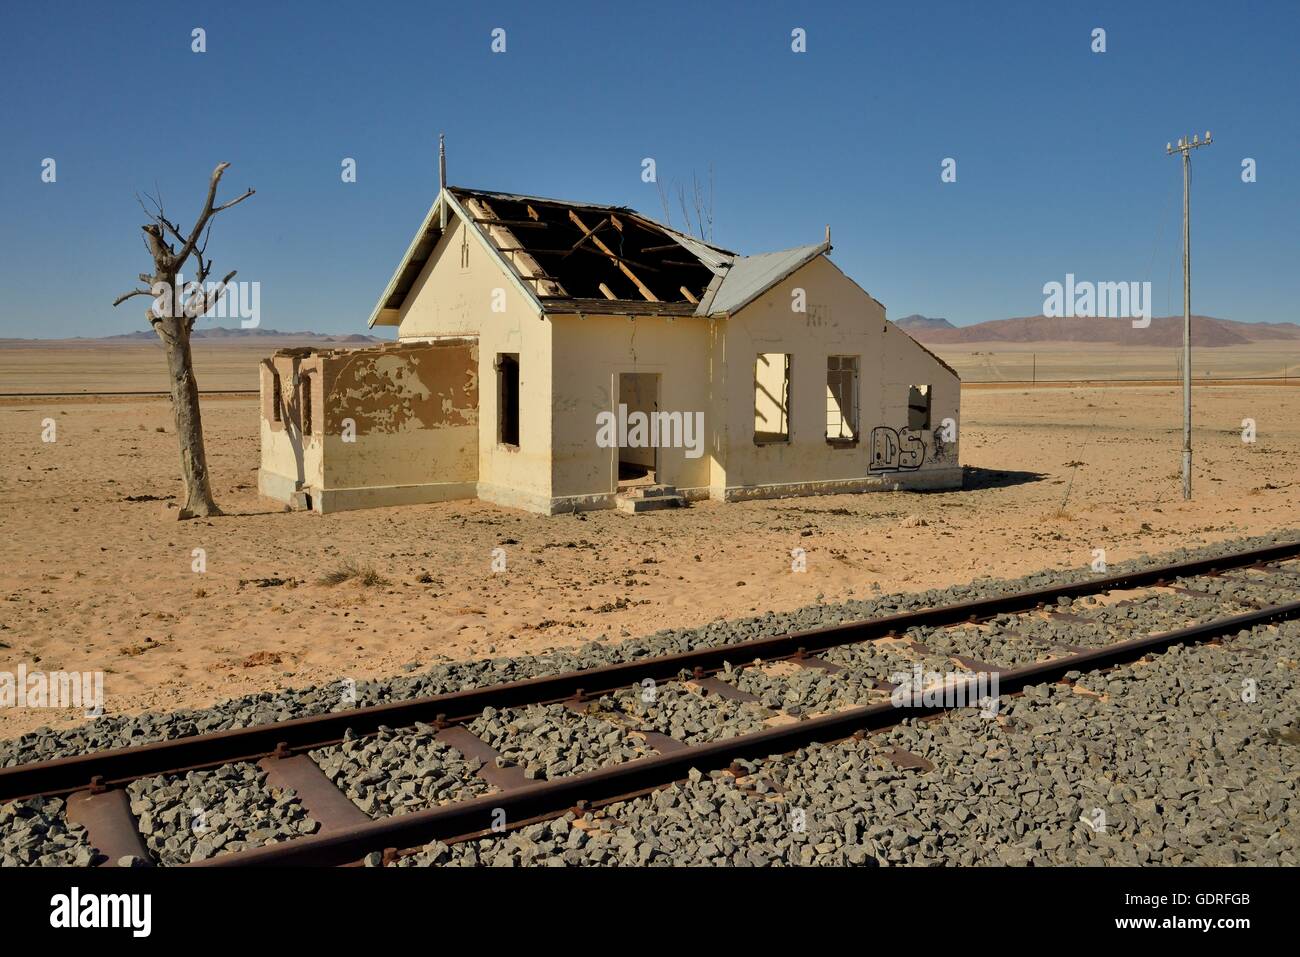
(748, 277)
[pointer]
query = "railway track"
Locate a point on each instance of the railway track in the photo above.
(1041, 636)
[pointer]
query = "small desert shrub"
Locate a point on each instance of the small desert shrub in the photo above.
(351, 571)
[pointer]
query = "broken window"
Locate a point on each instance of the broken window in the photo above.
(772, 398)
(277, 413)
(305, 400)
(841, 399)
(508, 398)
(918, 407)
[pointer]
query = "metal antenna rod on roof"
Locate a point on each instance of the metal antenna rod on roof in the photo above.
(442, 181)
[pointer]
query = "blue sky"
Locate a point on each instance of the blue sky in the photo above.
(1060, 151)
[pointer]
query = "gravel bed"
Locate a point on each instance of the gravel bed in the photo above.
(808, 691)
(206, 813)
(1083, 634)
(1161, 763)
(550, 843)
(1258, 590)
(564, 755)
(35, 832)
(550, 741)
(114, 731)
(400, 770)
(688, 716)
(883, 660)
(996, 644)
(1166, 611)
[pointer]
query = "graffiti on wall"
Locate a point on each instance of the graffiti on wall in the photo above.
(896, 450)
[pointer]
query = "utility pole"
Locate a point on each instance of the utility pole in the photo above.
(1185, 147)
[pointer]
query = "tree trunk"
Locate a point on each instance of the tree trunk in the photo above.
(189, 424)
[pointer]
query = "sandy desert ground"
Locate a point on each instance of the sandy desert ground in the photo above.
(96, 573)
(74, 366)
(220, 365)
(1026, 361)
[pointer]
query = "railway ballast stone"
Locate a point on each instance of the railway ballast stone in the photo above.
(206, 813)
(1194, 777)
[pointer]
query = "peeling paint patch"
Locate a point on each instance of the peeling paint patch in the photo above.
(394, 390)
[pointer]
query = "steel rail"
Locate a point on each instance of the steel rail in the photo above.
(550, 798)
(62, 776)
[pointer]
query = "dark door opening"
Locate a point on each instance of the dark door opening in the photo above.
(638, 464)
(508, 398)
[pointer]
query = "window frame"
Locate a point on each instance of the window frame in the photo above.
(926, 390)
(502, 360)
(788, 383)
(854, 423)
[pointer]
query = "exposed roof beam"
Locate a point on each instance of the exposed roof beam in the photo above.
(605, 289)
(534, 251)
(586, 234)
(687, 293)
(492, 221)
(485, 221)
(650, 297)
(600, 306)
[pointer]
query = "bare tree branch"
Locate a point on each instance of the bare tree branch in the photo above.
(158, 216)
(663, 201)
(201, 304)
(235, 201)
(690, 198)
(686, 213)
(208, 212)
(219, 291)
(127, 295)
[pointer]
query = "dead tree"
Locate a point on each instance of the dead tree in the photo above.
(696, 200)
(172, 316)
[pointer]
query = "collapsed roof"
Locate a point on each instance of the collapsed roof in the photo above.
(580, 257)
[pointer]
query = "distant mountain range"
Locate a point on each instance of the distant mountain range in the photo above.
(221, 332)
(917, 323)
(1163, 331)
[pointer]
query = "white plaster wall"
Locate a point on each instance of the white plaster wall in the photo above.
(449, 299)
(841, 319)
(589, 353)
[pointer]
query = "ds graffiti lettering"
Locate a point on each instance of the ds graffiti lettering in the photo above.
(896, 450)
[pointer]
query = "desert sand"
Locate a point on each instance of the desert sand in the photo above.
(1026, 361)
(96, 574)
(222, 365)
(132, 365)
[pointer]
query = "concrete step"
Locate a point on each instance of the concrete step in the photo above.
(649, 498)
(649, 491)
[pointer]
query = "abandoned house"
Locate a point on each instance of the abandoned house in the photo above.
(557, 356)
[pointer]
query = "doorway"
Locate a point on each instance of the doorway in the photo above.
(638, 460)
